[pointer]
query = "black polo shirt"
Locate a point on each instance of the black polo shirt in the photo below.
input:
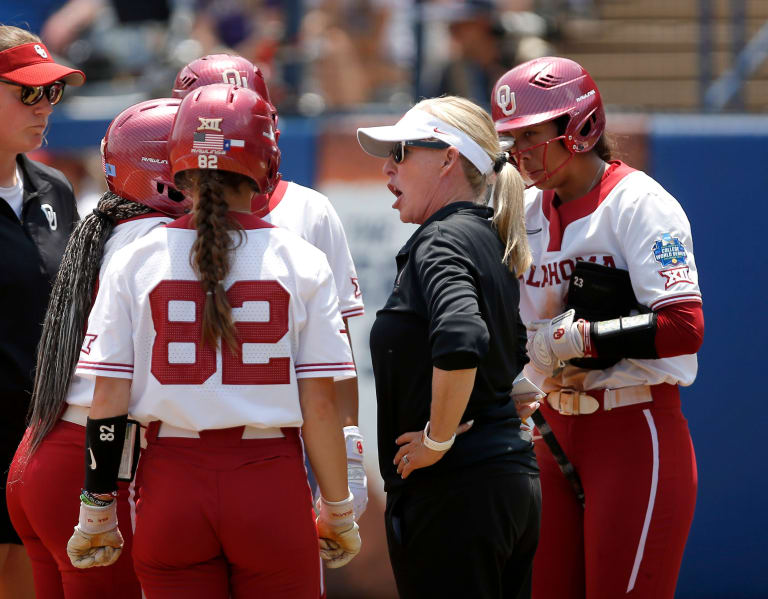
(454, 305)
(30, 254)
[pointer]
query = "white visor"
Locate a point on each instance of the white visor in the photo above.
(418, 124)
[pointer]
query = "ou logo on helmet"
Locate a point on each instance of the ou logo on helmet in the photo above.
(39, 49)
(233, 76)
(505, 100)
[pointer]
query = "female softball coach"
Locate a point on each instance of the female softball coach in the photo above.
(37, 214)
(445, 349)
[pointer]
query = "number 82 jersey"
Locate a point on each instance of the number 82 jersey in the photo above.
(146, 325)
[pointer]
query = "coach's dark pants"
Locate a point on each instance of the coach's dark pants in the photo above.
(470, 534)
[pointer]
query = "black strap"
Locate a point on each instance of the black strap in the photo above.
(557, 452)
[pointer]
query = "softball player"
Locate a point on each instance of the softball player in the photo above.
(223, 332)
(613, 307)
(47, 470)
(311, 216)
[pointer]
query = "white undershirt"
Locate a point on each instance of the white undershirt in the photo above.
(14, 194)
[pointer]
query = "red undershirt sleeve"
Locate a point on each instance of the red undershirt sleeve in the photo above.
(679, 329)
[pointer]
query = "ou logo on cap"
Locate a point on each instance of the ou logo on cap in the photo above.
(505, 99)
(41, 51)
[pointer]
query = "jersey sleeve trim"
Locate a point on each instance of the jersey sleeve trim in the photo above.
(104, 368)
(332, 367)
(351, 312)
(335, 373)
(674, 299)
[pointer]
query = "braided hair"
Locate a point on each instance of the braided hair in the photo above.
(68, 308)
(210, 255)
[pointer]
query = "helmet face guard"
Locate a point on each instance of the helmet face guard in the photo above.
(222, 68)
(228, 128)
(543, 90)
(516, 156)
(134, 155)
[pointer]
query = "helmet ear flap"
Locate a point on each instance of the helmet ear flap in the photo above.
(583, 134)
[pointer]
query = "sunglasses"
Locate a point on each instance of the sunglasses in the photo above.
(398, 150)
(32, 94)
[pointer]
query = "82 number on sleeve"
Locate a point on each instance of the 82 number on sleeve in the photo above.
(207, 161)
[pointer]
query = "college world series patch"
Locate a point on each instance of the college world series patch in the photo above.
(669, 251)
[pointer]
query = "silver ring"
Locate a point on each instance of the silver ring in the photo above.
(405, 460)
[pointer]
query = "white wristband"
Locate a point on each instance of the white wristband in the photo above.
(95, 520)
(338, 514)
(437, 445)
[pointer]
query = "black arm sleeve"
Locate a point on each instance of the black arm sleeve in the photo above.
(458, 334)
(104, 439)
(627, 337)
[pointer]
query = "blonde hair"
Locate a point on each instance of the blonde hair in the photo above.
(509, 215)
(11, 36)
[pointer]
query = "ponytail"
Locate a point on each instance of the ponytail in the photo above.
(68, 309)
(509, 218)
(210, 255)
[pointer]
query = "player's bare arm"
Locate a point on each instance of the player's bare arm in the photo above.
(324, 443)
(347, 399)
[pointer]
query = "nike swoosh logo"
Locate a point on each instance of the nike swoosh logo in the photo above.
(532, 231)
(436, 130)
(93, 459)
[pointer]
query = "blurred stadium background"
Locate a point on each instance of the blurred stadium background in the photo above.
(685, 83)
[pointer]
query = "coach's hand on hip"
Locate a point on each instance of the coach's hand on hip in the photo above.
(414, 453)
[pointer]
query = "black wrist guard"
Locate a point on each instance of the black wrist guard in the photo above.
(104, 439)
(627, 337)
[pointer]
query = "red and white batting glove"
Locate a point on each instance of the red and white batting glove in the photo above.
(356, 478)
(97, 540)
(558, 340)
(338, 532)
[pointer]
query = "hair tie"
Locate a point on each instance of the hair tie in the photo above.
(500, 161)
(104, 216)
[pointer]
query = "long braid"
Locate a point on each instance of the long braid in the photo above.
(211, 253)
(68, 309)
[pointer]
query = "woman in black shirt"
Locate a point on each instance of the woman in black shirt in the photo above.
(37, 214)
(462, 512)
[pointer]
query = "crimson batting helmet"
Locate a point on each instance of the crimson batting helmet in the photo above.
(134, 155)
(544, 89)
(227, 128)
(222, 68)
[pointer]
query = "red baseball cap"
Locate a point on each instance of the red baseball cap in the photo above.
(31, 64)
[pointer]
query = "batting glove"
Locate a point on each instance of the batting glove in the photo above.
(556, 341)
(97, 540)
(356, 478)
(338, 532)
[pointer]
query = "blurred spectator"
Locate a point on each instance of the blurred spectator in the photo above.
(347, 46)
(254, 29)
(484, 38)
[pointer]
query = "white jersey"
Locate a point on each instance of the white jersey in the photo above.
(310, 215)
(630, 222)
(81, 388)
(146, 325)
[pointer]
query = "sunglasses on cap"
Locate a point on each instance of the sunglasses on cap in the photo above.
(398, 150)
(32, 94)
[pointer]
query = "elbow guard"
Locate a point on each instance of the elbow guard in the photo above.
(104, 440)
(626, 337)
